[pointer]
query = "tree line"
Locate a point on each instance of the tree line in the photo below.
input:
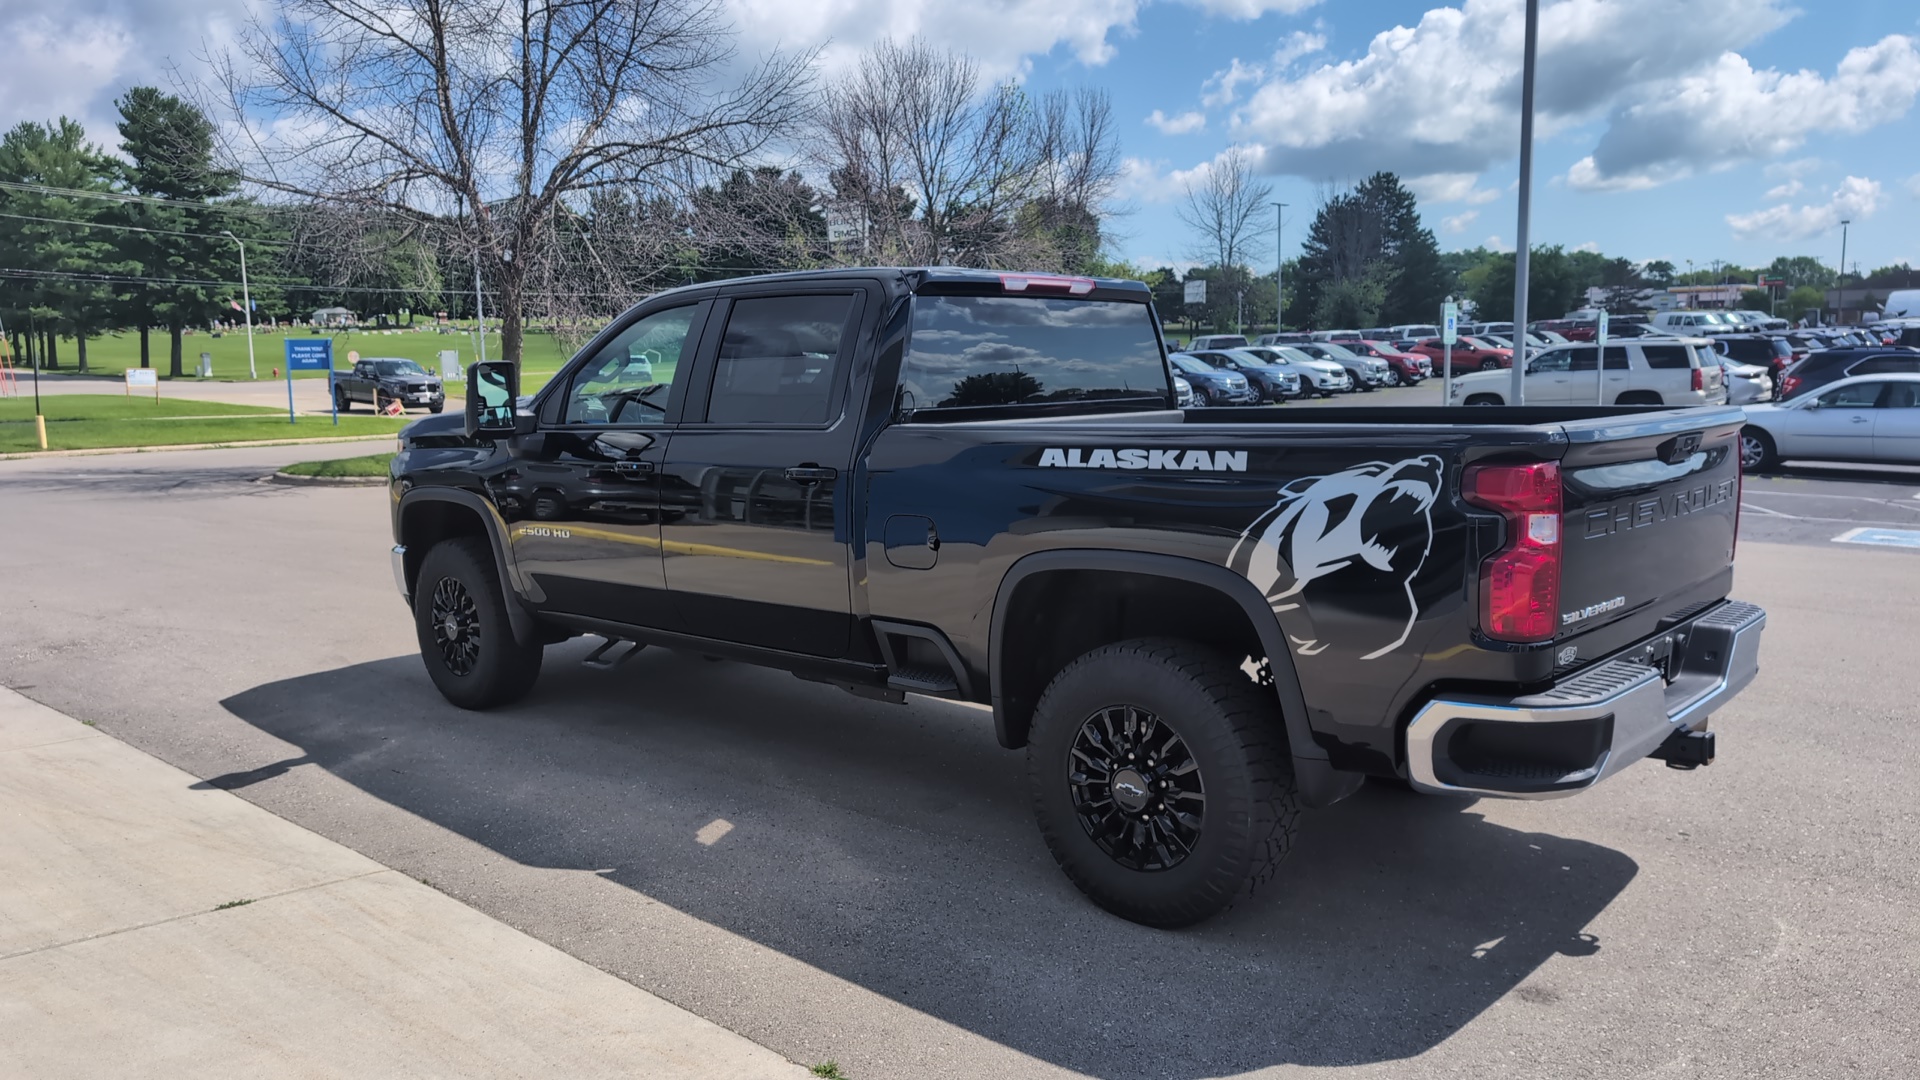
(395, 165)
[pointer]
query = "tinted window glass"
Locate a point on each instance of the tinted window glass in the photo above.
(630, 380)
(1561, 360)
(398, 367)
(1904, 395)
(778, 360)
(1885, 365)
(1666, 357)
(990, 350)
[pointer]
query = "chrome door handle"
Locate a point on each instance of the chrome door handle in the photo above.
(634, 468)
(1859, 419)
(811, 474)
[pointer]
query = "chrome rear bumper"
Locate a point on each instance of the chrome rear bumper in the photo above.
(1591, 725)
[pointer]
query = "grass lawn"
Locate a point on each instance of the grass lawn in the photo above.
(110, 354)
(92, 434)
(371, 465)
(63, 407)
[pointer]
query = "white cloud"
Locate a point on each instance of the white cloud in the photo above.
(1705, 120)
(1001, 37)
(1444, 93)
(1296, 45)
(1591, 245)
(1913, 185)
(1185, 124)
(1458, 223)
(1223, 85)
(1250, 9)
(1794, 169)
(1142, 180)
(1855, 198)
(1787, 190)
(1495, 243)
(1451, 187)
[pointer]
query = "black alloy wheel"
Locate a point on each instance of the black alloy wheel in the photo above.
(1161, 781)
(1136, 788)
(456, 626)
(466, 634)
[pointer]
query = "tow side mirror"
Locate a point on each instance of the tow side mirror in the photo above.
(492, 387)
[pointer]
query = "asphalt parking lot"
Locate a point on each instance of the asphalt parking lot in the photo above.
(850, 880)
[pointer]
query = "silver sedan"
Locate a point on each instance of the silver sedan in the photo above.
(1863, 418)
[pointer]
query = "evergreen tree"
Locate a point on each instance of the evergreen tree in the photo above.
(170, 145)
(53, 239)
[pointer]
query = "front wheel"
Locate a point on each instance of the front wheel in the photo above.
(466, 638)
(1489, 365)
(1757, 452)
(1161, 780)
(436, 408)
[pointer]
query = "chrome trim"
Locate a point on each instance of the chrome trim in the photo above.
(399, 557)
(1646, 709)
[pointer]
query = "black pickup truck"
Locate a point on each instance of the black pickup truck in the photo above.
(381, 381)
(975, 485)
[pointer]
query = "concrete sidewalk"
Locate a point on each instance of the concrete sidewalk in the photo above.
(119, 958)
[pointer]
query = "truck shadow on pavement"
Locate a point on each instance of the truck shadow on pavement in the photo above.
(892, 846)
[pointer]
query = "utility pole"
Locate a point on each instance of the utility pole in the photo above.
(1279, 265)
(246, 297)
(1520, 252)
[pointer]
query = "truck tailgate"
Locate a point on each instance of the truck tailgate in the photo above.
(1650, 510)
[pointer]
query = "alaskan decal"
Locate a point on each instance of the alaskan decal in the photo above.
(1165, 460)
(1373, 520)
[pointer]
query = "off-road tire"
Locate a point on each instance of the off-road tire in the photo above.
(1234, 732)
(504, 668)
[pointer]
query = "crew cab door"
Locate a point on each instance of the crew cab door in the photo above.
(582, 497)
(757, 493)
(1837, 424)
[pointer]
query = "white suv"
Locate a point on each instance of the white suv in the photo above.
(1694, 322)
(1644, 371)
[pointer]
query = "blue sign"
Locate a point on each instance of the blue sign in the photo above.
(309, 354)
(1907, 538)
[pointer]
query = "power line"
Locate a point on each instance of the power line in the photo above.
(140, 229)
(129, 197)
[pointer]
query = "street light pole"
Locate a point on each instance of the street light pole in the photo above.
(1841, 280)
(246, 297)
(1520, 252)
(1279, 264)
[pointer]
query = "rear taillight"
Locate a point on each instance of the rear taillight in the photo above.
(1699, 378)
(1520, 584)
(1073, 286)
(1788, 384)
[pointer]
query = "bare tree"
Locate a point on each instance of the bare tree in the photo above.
(1227, 211)
(496, 118)
(941, 169)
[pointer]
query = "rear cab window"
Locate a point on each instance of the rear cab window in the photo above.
(969, 352)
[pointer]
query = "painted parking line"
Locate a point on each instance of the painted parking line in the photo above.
(1907, 538)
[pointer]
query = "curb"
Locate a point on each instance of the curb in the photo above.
(323, 481)
(26, 455)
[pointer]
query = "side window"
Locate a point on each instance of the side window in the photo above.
(1902, 395)
(630, 380)
(1616, 358)
(778, 360)
(1561, 360)
(1857, 396)
(1885, 365)
(1666, 357)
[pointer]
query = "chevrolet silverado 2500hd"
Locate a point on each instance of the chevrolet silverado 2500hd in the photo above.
(975, 485)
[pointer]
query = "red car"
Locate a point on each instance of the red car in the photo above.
(1407, 368)
(1469, 354)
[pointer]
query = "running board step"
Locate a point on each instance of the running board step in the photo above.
(598, 658)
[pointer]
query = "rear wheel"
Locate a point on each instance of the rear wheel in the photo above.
(1638, 397)
(340, 399)
(1161, 781)
(1757, 452)
(466, 638)
(1484, 399)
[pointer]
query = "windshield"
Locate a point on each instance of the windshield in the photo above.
(397, 367)
(1334, 352)
(1190, 365)
(971, 351)
(1226, 341)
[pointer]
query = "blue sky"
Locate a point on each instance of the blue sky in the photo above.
(1676, 129)
(1673, 185)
